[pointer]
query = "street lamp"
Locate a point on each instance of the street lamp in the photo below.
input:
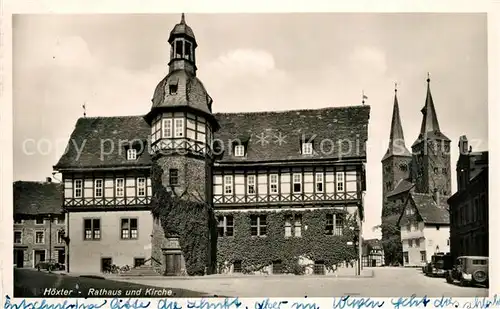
(50, 243)
(356, 242)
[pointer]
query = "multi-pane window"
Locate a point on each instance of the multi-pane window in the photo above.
(307, 148)
(167, 128)
(156, 131)
(340, 182)
(131, 154)
(334, 224)
(297, 183)
(228, 185)
(319, 268)
(173, 177)
(129, 228)
(179, 127)
(273, 183)
(237, 267)
(39, 237)
(60, 239)
(258, 225)
(141, 186)
(120, 187)
(319, 182)
(225, 226)
(98, 187)
(239, 151)
(18, 237)
(251, 184)
(277, 267)
(293, 225)
(78, 184)
(423, 256)
(92, 229)
(39, 220)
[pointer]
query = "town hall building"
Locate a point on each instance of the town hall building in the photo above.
(286, 187)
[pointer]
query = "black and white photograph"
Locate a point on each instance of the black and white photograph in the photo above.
(250, 155)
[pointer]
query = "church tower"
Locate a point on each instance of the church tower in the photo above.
(182, 127)
(431, 153)
(395, 163)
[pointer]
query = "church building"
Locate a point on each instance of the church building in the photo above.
(415, 188)
(283, 189)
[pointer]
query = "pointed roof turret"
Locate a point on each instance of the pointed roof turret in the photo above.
(430, 124)
(397, 145)
(182, 29)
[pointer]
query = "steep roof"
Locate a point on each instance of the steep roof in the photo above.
(35, 198)
(346, 126)
(100, 142)
(331, 125)
(429, 210)
(397, 145)
(403, 185)
(430, 125)
(181, 29)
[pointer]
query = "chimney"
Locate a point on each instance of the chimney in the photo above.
(49, 180)
(463, 144)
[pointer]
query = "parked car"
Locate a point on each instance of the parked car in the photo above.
(49, 265)
(439, 265)
(469, 270)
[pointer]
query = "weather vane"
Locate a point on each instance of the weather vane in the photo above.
(364, 97)
(84, 110)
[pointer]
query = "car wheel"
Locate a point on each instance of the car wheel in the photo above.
(479, 276)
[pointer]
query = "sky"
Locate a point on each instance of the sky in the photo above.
(252, 62)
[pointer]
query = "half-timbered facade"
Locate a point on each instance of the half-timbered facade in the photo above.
(270, 176)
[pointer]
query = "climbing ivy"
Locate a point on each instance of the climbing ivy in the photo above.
(189, 219)
(255, 253)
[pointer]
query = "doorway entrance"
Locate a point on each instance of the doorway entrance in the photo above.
(61, 256)
(173, 263)
(106, 264)
(19, 257)
(39, 257)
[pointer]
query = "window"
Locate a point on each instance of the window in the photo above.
(410, 243)
(251, 184)
(179, 49)
(277, 267)
(423, 256)
(340, 182)
(228, 185)
(339, 224)
(479, 262)
(294, 221)
(39, 220)
(92, 229)
(18, 237)
(78, 188)
(39, 237)
(239, 150)
(179, 127)
(60, 219)
(60, 239)
(129, 228)
(258, 225)
(237, 266)
(131, 154)
(436, 170)
(329, 224)
(120, 187)
(98, 188)
(273, 183)
(141, 186)
(405, 257)
(225, 226)
(307, 148)
(172, 88)
(417, 243)
(167, 128)
(18, 221)
(319, 268)
(319, 182)
(297, 183)
(139, 262)
(445, 170)
(173, 177)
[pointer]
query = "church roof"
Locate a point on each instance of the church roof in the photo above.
(100, 142)
(403, 185)
(397, 145)
(429, 128)
(37, 198)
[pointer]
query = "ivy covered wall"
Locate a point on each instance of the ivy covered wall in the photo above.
(258, 252)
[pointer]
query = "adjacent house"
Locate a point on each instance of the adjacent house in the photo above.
(373, 253)
(284, 188)
(425, 228)
(469, 205)
(38, 223)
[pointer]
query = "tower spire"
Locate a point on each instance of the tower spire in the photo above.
(397, 145)
(183, 19)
